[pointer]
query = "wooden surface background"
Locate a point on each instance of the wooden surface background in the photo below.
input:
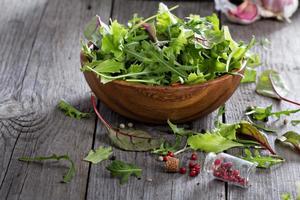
(39, 65)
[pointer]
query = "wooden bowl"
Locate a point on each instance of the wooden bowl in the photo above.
(156, 104)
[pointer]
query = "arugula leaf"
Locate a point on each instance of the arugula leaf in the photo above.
(71, 171)
(249, 75)
(291, 138)
(262, 114)
(248, 130)
(262, 161)
(70, 111)
(123, 170)
(295, 122)
(98, 155)
(211, 142)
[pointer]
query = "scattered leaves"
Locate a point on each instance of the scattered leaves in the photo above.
(262, 161)
(98, 155)
(123, 170)
(71, 111)
(263, 113)
(71, 171)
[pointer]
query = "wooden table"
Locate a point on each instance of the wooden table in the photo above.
(39, 65)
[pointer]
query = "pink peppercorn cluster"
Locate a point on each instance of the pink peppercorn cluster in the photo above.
(226, 172)
(194, 167)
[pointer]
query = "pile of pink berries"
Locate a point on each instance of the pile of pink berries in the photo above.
(194, 167)
(226, 172)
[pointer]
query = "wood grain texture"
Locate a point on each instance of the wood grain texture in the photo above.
(281, 56)
(41, 129)
(155, 183)
(19, 25)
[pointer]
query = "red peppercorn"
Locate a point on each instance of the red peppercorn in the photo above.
(170, 153)
(235, 172)
(193, 173)
(197, 167)
(194, 156)
(165, 158)
(191, 164)
(182, 170)
(217, 162)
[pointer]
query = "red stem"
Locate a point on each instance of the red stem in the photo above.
(109, 126)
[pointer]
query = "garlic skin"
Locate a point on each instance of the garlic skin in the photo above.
(281, 9)
(251, 10)
(245, 13)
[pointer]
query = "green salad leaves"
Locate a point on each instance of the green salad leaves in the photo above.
(163, 49)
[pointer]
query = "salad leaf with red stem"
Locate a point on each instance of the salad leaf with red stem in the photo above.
(128, 139)
(248, 130)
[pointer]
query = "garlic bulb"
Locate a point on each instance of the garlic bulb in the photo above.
(251, 10)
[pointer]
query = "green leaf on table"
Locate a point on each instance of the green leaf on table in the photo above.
(228, 130)
(262, 161)
(264, 86)
(211, 142)
(291, 138)
(71, 111)
(133, 139)
(249, 75)
(248, 130)
(295, 122)
(263, 113)
(71, 171)
(261, 125)
(123, 170)
(98, 155)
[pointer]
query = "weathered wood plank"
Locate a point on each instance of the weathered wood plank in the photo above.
(19, 26)
(162, 185)
(281, 56)
(52, 74)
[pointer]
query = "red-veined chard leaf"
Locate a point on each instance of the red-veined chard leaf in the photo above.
(264, 85)
(129, 139)
(280, 90)
(248, 130)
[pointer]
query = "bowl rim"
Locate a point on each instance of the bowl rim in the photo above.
(181, 86)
